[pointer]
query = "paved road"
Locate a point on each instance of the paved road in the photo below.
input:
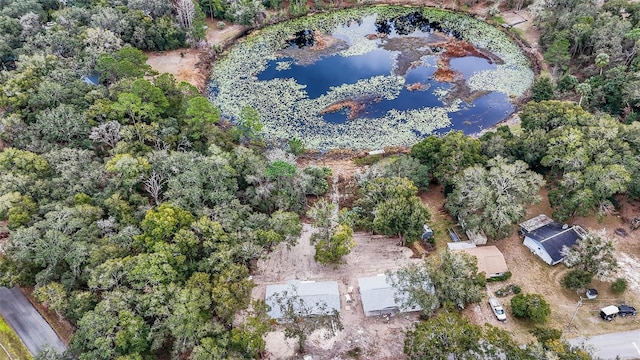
(27, 322)
(608, 346)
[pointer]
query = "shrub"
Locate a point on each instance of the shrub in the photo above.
(296, 147)
(516, 289)
(546, 335)
(619, 286)
(221, 24)
(503, 277)
(542, 89)
(567, 83)
(532, 307)
(577, 279)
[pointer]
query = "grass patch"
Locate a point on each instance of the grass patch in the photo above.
(12, 343)
(498, 20)
(367, 160)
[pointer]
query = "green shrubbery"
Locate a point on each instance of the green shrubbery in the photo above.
(532, 307)
(619, 286)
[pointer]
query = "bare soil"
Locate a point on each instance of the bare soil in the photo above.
(375, 337)
(193, 65)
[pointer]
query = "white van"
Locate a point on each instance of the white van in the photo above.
(609, 312)
(497, 309)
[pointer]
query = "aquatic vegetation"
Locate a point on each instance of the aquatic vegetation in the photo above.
(365, 105)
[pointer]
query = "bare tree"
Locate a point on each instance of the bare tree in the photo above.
(185, 12)
(153, 185)
(107, 133)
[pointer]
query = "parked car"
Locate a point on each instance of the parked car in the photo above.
(624, 310)
(609, 312)
(497, 309)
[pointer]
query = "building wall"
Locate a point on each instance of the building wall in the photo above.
(538, 249)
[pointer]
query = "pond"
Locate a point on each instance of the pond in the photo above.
(372, 77)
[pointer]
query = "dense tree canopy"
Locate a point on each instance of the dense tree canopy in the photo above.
(136, 211)
(492, 199)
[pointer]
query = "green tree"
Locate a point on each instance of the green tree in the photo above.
(232, 291)
(400, 196)
(339, 244)
(584, 90)
(160, 224)
(127, 171)
(457, 338)
(249, 123)
(54, 297)
(126, 62)
(404, 217)
(602, 61)
(248, 338)
(492, 199)
(577, 279)
(530, 306)
(548, 115)
(558, 54)
(594, 255)
(449, 155)
(448, 278)
(542, 89)
(287, 225)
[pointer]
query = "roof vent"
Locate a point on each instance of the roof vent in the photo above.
(565, 227)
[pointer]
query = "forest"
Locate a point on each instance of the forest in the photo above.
(137, 212)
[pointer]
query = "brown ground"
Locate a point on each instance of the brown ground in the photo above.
(376, 337)
(192, 65)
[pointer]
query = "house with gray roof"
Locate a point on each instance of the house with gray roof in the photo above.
(546, 238)
(316, 296)
(379, 297)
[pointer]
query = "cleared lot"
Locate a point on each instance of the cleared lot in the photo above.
(373, 337)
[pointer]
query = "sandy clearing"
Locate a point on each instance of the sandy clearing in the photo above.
(373, 254)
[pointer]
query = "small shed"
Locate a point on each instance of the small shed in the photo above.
(312, 293)
(379, 297)
(546, 238)
(490, 260)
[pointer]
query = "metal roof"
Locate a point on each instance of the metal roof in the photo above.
(490, 259)
(555, 236)
(536, 223)
(311, 292)
(377, 294)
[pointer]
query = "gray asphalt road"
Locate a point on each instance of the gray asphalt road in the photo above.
(27, 322)
(624, 344)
